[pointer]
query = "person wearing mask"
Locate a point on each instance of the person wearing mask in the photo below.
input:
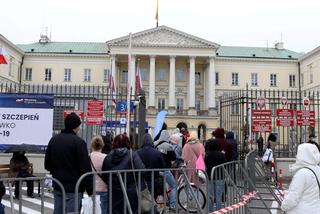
(169, 156)
(152, 159)
(304, 193)
(190, 154)
(67, 159)
(225, 147)
(97, 158)
(122, 157)
(20, 168)
(216, 184)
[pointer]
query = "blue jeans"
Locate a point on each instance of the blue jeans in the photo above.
(1, 209)
(216, 189)
(173, 186)
(70, 202)
(104, 202)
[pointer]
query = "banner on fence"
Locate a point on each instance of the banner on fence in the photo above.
(26, 119)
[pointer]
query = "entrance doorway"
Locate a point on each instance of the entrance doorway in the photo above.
(202, 129)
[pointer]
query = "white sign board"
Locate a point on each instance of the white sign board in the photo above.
(26, 119)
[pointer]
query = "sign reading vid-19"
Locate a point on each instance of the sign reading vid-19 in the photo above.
(26, 119)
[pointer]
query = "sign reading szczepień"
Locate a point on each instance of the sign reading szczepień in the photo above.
(26, 119)
(95, 112)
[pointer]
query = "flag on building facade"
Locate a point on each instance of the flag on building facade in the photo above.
(157, 15)
(112, 86)
(138, 80)
(3, 54)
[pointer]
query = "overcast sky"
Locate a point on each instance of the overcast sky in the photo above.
(226, 22)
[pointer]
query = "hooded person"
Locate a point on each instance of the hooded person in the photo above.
(234, 145)
(303, 195)
(67, 160)
(169, 156)
(152, 159)
(225, 146)
(176, 139)
(190, 154)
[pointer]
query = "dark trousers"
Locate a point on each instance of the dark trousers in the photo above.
(29, 184)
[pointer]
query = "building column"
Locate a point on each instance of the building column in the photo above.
(132, 74)
(172, 86)
(211, 87)
(152, 85)
(114, 70)
(192, 91)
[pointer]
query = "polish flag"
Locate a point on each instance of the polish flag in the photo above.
(112, 87)
(138, 80)
(3, 53)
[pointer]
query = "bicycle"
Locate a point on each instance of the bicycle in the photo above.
(184, 195)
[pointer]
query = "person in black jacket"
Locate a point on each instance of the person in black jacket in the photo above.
(120, 159)
(67, 160)
(216, 185)
(152, 159)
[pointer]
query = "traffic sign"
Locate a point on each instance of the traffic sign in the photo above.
(261, 113)
(306, 122)
(285, 112)
(284, 102)
(306, 102)
(285, 122)
(261, 102)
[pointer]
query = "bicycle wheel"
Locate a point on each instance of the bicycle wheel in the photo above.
(186, 201)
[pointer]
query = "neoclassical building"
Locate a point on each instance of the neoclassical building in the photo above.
(181, 73)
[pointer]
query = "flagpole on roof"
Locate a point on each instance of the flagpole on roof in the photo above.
(129, 84)
(157, 15)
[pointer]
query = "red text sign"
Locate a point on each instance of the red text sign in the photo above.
(261, 113)
(306, 122)
(285, 112)
(285, 122)
(264, 128)
(305, 113)
(261, 121)
(80, 113)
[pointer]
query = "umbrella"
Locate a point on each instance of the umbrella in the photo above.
(159, 122)
(24, 147)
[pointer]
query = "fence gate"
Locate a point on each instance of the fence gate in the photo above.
(76, 97)
(291, 115)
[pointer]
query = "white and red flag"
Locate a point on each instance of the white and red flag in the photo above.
(138, 80)
(3, 54)
(112, 86)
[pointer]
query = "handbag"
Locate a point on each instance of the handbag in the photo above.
(267, 156)
(87, 205)
(200, 166)
(316, 178)
(146, 199)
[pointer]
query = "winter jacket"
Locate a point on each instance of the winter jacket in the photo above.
(225, 147)
(19, 163)
(166, 148)
(97, 159)
(234, 145)
(190, 154)
(67, 160)
(303, 195)
(150, 156)
(214, 158)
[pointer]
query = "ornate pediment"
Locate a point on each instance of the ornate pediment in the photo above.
(163, 36)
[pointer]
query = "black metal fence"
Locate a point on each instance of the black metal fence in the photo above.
(76, 97)
(236, 115)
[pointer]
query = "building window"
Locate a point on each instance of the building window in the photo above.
(234, 108)
(217, 78)
(106, 74)
(161, 74)
(254, 79)
(67, 74)
(235, 79)
(28, 76)
(180, 75)
(302, 80)
(179, 104)
(124, 76)
(161, 104)
(87, 75)
(292, 80)
(143, 74)
(310, 74)
(198, 106)
(273, 80)
(47, 74)
(197, 78)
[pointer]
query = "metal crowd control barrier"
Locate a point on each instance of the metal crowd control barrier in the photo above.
(232, 182)
(189, 196)
(41, 180)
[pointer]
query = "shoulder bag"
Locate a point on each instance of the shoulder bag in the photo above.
(315, 176)
(146, 201)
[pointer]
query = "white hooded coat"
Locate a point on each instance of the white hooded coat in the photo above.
(304, 193)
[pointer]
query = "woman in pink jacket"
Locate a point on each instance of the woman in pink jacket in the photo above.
(97, 158)
(190, 153)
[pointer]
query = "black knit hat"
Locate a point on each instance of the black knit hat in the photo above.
(272, 137)
(72, 121)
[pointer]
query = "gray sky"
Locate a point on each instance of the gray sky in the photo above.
(226, 22)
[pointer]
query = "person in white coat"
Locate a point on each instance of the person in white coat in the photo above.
(304, 193)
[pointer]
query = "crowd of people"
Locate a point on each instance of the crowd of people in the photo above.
(67, 159)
